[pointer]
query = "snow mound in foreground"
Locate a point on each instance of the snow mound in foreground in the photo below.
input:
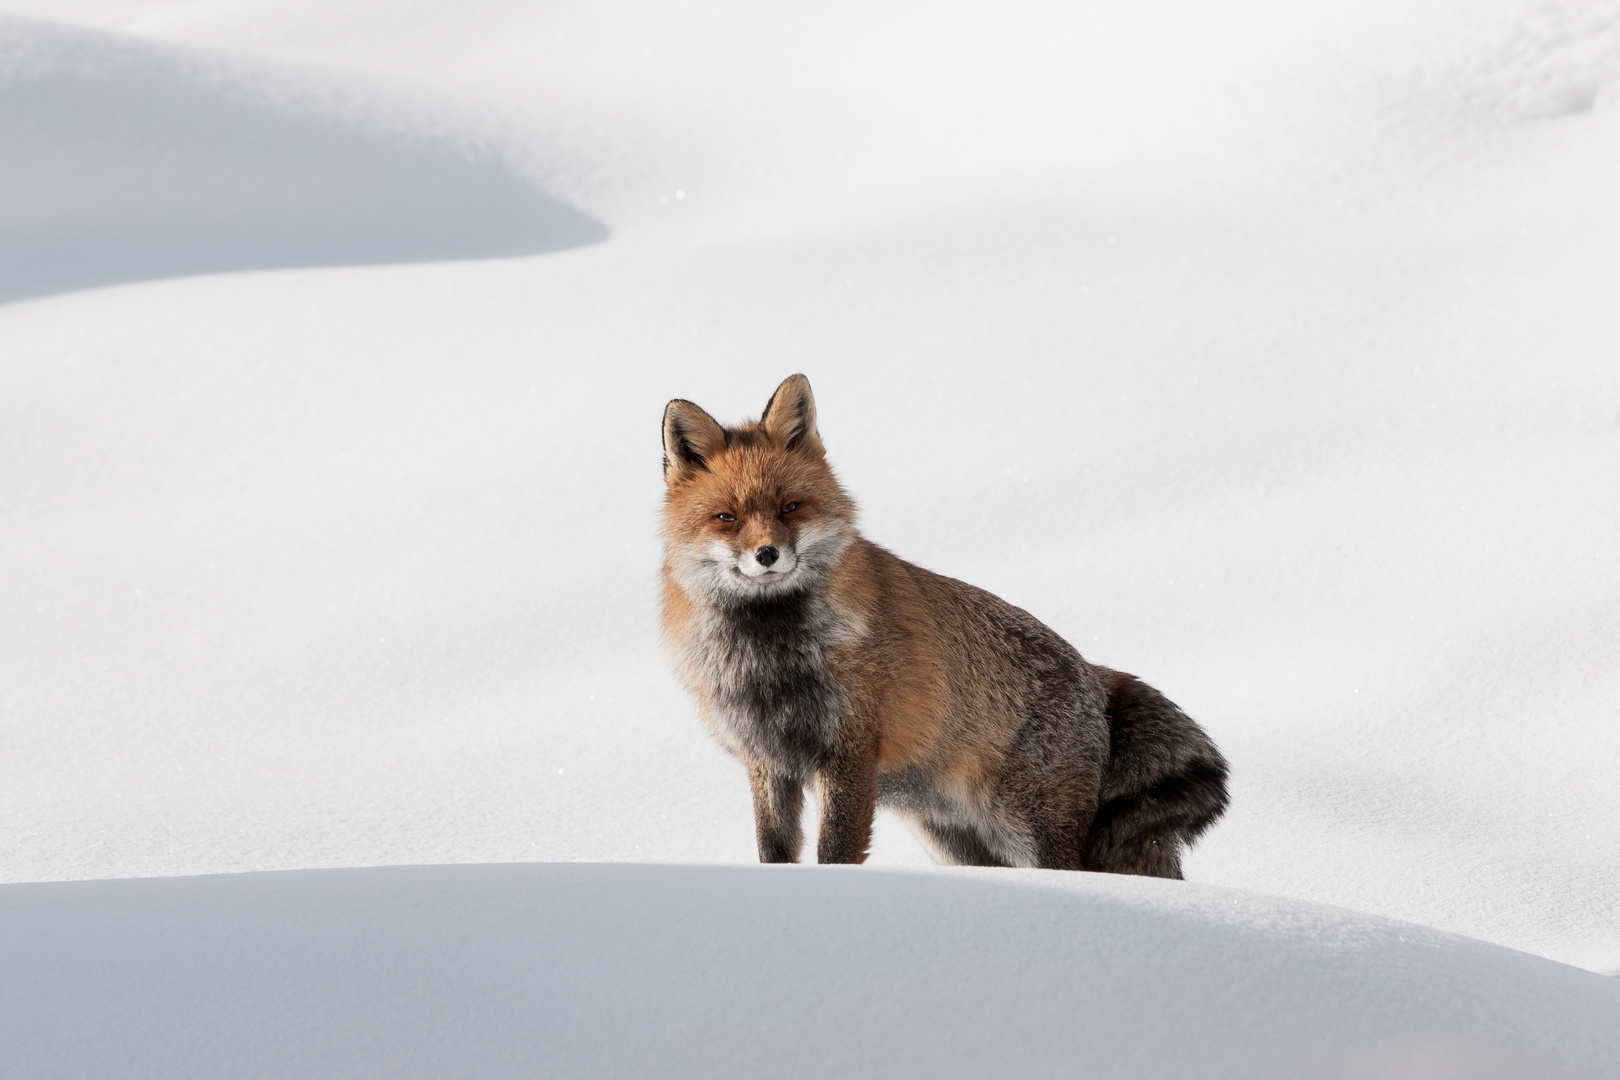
(620, 970)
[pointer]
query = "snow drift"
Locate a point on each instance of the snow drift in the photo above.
(600, 970)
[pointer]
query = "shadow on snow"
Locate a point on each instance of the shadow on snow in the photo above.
(115, 166)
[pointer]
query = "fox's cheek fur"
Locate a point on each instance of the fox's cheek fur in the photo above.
(714, 566)
(822, 542)
(808, 552)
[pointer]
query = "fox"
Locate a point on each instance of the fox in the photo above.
(819, 658)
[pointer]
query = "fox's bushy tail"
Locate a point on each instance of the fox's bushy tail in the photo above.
(1164, 785)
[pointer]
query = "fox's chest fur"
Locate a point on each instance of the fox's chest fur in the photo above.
(763, 668)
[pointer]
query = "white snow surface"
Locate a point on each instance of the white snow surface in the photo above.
(1270, 351)
(516, 971)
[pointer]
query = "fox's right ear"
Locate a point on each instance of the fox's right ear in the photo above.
(691, 437)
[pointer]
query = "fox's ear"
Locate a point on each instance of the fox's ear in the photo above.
(790, 415)
(691, 436)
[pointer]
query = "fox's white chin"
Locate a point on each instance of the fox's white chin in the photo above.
(767, 579)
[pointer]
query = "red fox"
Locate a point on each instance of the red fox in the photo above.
(816, 655)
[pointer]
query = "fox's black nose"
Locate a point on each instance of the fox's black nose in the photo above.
(766, 556)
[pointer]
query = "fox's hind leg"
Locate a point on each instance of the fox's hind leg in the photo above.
(1060, 836)
(957, 844)
(1164, 785)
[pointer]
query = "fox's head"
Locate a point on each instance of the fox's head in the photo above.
(752, 511)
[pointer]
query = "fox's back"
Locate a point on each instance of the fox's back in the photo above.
(957, 673)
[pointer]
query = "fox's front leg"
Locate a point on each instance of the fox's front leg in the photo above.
(778, 801)
(848, 801)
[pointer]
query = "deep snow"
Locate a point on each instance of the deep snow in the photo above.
(1266, 351)
(679, 971)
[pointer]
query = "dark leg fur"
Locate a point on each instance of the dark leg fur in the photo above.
(778, 802)
(962, 846)
(848, 801)
(1060, 847)
(1164, 785)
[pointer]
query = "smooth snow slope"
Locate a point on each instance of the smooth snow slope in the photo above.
(1267, 351)
(613, 971)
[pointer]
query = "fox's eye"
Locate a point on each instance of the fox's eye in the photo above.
(789, 508)
(725, 517)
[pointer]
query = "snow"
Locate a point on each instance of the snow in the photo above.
(1267, 351)
(680, 971)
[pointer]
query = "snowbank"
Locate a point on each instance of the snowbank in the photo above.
(678, 971)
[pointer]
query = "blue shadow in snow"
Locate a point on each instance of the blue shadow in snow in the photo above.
(115, 166)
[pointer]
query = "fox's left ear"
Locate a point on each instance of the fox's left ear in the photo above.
(790, 415)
